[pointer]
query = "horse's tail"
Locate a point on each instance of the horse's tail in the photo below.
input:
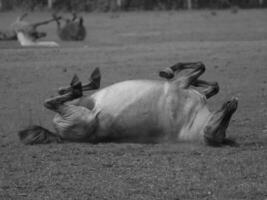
(38, 135)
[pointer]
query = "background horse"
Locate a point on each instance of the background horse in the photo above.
(26, 33)
(72, 30)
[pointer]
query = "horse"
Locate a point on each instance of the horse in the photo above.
(72, 30)
(27, 35)
(142, 111)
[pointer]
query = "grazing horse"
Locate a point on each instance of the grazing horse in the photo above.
(144, 111)
(72, 30)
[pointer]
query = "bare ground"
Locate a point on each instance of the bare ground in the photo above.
(138, 45)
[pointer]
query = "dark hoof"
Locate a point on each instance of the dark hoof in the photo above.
(63, 90)
(166, 73)
(75, 80)
(231, 105)
(76, 89)
(95, 79)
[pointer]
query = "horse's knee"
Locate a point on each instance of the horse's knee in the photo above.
(200, 67)
(212, 90)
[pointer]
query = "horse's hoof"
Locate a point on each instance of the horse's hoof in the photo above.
(166, 73)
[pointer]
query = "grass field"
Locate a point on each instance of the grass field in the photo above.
(132, 46)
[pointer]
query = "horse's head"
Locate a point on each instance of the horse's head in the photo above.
(76, 123)
(214, 132)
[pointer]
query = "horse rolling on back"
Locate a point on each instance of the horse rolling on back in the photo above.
(144, 111)
(27, 34)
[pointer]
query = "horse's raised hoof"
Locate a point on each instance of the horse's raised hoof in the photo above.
(76, 87)
(166, 73)
(231, 105)
(95, 79)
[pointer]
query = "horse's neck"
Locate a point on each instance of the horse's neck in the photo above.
(196, 115)
(24, 39)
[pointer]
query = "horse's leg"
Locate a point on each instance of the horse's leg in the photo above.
(190, 77)
(36, 24)
(57, 19)
(37, 34)
(169, 72)
(210, 88)
(20, 18)
(8, 35)
(93, 84)
(214, 132)
(73, 122)
(57, 103)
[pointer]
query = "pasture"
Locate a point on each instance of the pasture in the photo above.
(137, 45)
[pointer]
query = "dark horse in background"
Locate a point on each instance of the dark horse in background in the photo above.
(72, 29)
(144, 111)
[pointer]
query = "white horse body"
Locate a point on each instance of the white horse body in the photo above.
(149, 111)
(146, 111)
(26, 41)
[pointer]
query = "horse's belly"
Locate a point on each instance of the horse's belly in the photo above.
(130, 125)
(131, 114)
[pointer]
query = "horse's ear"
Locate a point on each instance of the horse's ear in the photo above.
(81, 21)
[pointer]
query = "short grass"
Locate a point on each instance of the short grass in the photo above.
(137, 45)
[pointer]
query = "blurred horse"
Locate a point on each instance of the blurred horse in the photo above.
(72, 30)
(26, 33)
(144, 111)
